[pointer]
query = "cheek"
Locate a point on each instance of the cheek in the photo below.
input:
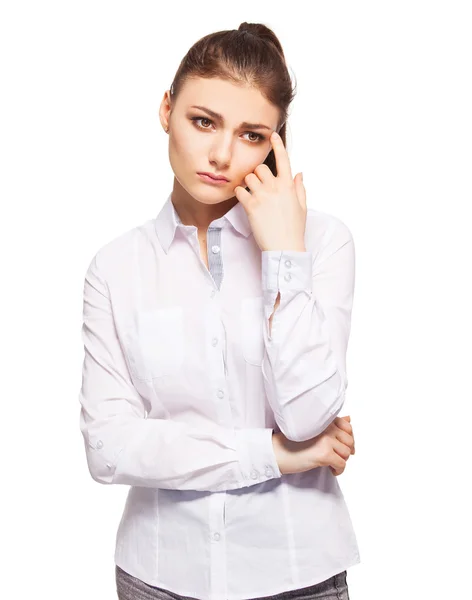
(180, 157)
(249, 158)
(186, 149)
(248, 166)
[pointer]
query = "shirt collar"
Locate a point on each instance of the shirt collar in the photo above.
(168, 220)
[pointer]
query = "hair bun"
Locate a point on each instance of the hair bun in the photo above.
(249, 27)
(262, 32)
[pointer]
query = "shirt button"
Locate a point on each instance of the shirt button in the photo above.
(215, 249)
(220, 394)
(254, 474)
(216, 536)
(214, 341)
(108, 466)
(288, 263)
(287, 277)
(99, 444)
(269, 471)
(212, 295)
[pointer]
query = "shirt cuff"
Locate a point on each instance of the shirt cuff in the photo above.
(286, 270)
(256, 455)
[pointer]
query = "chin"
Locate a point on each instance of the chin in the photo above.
(207, 194)
(216, 199)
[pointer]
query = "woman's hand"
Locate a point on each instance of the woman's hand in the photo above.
(347, 427)
(330, 448)
(275, 206)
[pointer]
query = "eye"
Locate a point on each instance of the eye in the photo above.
(201, 119)
(259, 137)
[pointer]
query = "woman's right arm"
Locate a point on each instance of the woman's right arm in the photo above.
(330, 448)
(124, 447)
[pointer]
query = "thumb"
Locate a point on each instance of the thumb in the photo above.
(300, 189)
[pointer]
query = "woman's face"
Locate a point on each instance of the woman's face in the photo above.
(202, 142)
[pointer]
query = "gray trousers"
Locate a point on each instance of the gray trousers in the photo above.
(131, 588)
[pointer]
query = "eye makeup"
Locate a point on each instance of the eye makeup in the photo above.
(260, 138)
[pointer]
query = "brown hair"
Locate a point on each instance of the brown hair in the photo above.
(250, 55)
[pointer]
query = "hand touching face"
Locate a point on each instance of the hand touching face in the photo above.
(275, 205)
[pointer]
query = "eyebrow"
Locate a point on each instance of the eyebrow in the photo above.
(219, 117)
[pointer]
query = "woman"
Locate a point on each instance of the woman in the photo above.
(215, 341)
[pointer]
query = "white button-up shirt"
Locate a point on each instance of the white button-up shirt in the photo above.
(183, 385)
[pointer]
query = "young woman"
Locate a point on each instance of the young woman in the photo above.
(215, 341)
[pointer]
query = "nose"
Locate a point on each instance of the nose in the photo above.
(220, 153)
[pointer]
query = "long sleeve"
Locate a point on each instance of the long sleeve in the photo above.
(304, 365)
(123, 446)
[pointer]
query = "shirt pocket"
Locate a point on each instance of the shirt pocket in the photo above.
(252, 322)
(154, 343)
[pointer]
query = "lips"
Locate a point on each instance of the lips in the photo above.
(213, 176)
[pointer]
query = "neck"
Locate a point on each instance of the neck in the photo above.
(193, 212)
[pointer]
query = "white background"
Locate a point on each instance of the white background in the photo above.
(381, 128)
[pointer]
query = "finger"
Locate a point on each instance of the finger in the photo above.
(337, 460)
(345, 438)
(243, 196)
(353, 442)
(282, 161)
(253, 182)
(263, 172)
(300, 189)
(342, 449)
(344, 425)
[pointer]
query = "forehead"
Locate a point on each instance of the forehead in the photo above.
(235, 102)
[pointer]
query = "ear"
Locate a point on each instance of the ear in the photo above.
(165, 110)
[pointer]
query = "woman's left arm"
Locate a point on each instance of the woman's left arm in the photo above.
(307, 302)
(306, 335)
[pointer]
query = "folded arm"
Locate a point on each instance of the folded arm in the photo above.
(308, 307)
(123, 446)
